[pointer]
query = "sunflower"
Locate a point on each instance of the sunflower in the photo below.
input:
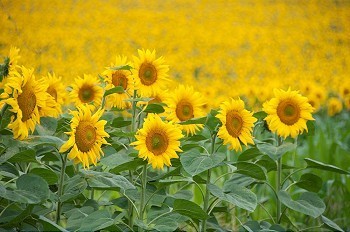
(86, 136)
(158, 141)
(86, 90)
(10, 63)
(185, 104)
(334, 106)
(56, 90)
(237, 124)
(114, 78)
(151, 73)
(25, 95)
(288, 113)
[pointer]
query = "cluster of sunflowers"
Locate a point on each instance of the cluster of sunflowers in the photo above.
(123, 87)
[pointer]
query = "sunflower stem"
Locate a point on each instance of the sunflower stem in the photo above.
(278, 182)
(60, 188)
(143, 194)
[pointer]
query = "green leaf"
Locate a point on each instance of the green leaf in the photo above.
(154, 108)
(330, 224)
(105, 180)
(308, 203)
(97, 220)
(132, 165)
(76, 215)
(117, 89)
(311, 128)
(47, 126)
(237, 195)
(212, 121)
(6, 119)
(45, 140)
(196, 138)
(310, 182)
(50, 225)
(201, 120)
(276, 152)
(322, 166)
(116, 159)
(33, 184)
(251, 169)
(121, 67)
(260, 115)
(189, 209)
(120, 122)
(194, 162)
(73, 187)
(24, 156)
(20, 196)
(249, 154)
(50, 176)
(238, 179)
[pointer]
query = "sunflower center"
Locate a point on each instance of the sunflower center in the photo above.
(86, 93)
(157, 142)
(52, 91)
(119, 79)
(288, 112)
(346, 92)
(148, 73)
(234, 123)
(85, 136)
(184, 110)
(26, 102)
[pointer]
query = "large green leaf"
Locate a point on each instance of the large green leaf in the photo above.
(76, 215)
(49, 225)
(24, 156)
(330, 224)
(115, 158)
(322, 166)
(154, 108)
(105, 180)
(201, 120)
(117, 89)
(163, 219)
(33, 184)
(275, 152)
(252, 170)
(20, 196)
(310, 182)
(238, 179)
(47, 126)
(73, 187)
(237, 195)
(189, 209)
(194, 162)
(308, 203)
(97, 220)
(249, 154)
(50, 176)
(45, 140)
(120, 122)
(131, 165)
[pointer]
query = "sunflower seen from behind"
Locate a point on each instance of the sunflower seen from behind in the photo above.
(87, 135)
(158, 141)
(86, 90)
(114, 78)
(288, 113)
(150, 73)
(185, 104)
(25, 95)
(237, 124)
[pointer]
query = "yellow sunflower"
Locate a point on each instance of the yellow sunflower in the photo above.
(86, 90)
(185, 104)
(158, 141)
(86, 136)
(114, 78)
(25, 95)
(334, 106)
(288, 113)
(55, 88)
(237, 124)
(150, 73)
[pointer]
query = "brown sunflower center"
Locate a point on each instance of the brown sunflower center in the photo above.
(288, 112)
(147, 73)
(52, 91)
(346, 92)
(119, 79)
(85, 136)
(86, 93)
(184, 110)
(157, 142)
(26, 102)
(234, 123)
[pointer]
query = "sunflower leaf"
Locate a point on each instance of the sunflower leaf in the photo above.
(201, 120)
(322, 166)
(121, 67)
(276, 152)
(117, 89)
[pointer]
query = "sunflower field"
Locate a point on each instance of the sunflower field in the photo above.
(174, 115)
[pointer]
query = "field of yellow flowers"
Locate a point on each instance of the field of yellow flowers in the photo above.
(174, 115)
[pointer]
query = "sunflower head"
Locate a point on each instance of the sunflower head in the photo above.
(158, 141)
(334, 106)
(185, 104)
(237, 124)
(287, 113)
(150, 73)
(10, 63)
(86, 137)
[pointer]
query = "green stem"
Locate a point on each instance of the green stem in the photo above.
(278, 183)
(60, 188)
(133, 119)
(130, 206)
(143, 194)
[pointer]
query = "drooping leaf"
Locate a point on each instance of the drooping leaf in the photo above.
(96, 221)
(50, 176)
(251, 169)
(121, 67)
(275, 152)
(47, 126)
(308, 203)
(49, 225)
(120, 122)
(33, 184)
(330, 224)
(310, 182)
(249, 154)
(24, 156)
(201, 120)
(189, 209)
(117, 89)
(322, 166)
(154, 108)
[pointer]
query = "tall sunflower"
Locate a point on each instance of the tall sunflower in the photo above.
(185, 104)
(158, 141)
(56, 90)
(150, 73)
(86, 90)
(237, 124)
(86, 136)
(114, 78)
(25, 95)
(334, 106)
(288, 113)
